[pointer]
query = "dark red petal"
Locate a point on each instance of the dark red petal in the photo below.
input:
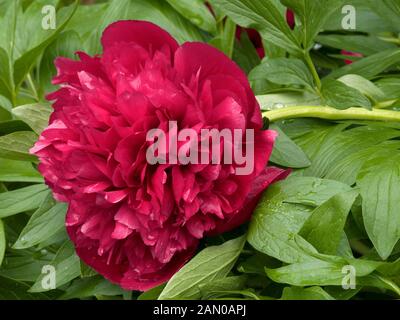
(131, 281)
(351, 54)
(290, 19)
(143, 33)
(194, 57)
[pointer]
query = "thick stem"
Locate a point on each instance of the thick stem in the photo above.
(329, 113)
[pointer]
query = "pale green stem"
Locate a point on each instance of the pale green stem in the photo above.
(329, 113)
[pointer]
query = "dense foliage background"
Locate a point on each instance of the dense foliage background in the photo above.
(338, 210)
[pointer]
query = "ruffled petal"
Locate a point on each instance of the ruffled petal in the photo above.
(196, 57)
(146, 34)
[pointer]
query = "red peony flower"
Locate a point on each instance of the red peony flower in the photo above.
(137, 223)
(254, 37)
(290, 18)
(350, 54)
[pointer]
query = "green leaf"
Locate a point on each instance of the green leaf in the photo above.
(366, 45)
(5, 107)
(67, 267)
(379, 182)
(196, 12)
(286, 152)
(24, 63)
(16, 145)
(43, 224)
(367, 20)
(320, 272)
(390, 269)
(24, 266)
(208, 265)
(158, 12)
(344, 249)
(225, 40)
(11, 126)
(7, 44)
(286, 99)
(339, 293)
(312, 293)
(282, 211)
(256, 263)
(273, 50)
(55, 240)
(18, 171)
(338, 153)
(311, 273)
(20, 200)
(313, 16)
(66, 44)
(116, 10)
(283, 71)
(93, 286)
(245, 54)
(377, 281)
(86, 271)
(162, 14)
(390, 87)
(30, 17)
(296, 128)
(152, 294)
(2, 242)
(224, 286)
(6, 84)
(8, 22)
(265, 16)
(363, 85)
(341, 96)
(370, 66)
(79, 22)
(15, 290)
(389, 10)
(35, 115)
(324, 228)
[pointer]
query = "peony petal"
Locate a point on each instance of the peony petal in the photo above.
(116, 196)
(121, 231)
(193, 57)
(146, 34)
(144, 282)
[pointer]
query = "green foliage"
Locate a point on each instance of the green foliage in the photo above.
(210, 264)
(313, 16)
(286, 153)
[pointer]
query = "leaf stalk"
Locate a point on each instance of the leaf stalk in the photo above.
(329, 113)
